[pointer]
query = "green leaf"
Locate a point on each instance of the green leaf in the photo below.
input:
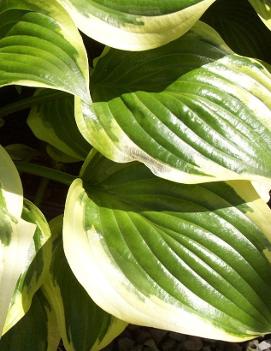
(15, 234)
(263, 8)
(40, 46)
(53, 121)
(135, 25)
(83, 325)
(240, 27)
(32, 273)
(194, 259)
(36, 331)
(211, 122)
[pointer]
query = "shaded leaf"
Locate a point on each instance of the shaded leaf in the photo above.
(36, 331)
(263, 8)
(83, 325)
(53, 121)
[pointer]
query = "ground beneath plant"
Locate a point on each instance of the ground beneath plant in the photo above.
(148, 339)
(136, 338)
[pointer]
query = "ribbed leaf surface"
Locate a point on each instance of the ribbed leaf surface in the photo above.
(82, 324)
(40, 46)
(189, 258)
(53, 121)
(211, 123)
(133, 24)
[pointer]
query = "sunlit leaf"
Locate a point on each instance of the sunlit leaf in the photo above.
(133, 24)
(40, 46)
(194, 259)
(32, 273)
(209, 121)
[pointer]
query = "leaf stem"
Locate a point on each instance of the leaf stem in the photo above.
(27, 103)
(45, 172)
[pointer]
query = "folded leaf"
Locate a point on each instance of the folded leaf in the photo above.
(15, 233)
(36, 331)
(194, 259)
(32, 273)
(53, 121)
(211, 122)
(135, 25)
(82, 324)
(263, 9)
(41, 47)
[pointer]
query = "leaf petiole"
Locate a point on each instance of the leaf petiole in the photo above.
(45, 172)
(26, 103)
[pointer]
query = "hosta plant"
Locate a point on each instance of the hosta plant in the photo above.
(163, 142)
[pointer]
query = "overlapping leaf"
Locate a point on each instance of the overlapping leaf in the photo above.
(36, 331)
(263, 8)
(23, 252)
(240, 27)
(15, 234)
(53, 121)
(133, 24)
(190, 258)
(82, 324)
(38, 257)
(211, 123)
(40, 46)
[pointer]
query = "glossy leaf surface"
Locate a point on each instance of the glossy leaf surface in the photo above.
(190, 258)
(41, 47)
(209, 121)
(135, 25)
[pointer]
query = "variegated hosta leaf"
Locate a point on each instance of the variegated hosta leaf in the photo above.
(213, 122)
(53, 121)
(263, 8)
(195, 259)
(15, 234)
(135, 25)
(241, 28)
(37, 331)
(82, 324)
(40, 46)
(32, 273)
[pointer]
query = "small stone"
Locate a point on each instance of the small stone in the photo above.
(177, 336)
(125, 344)
(151, 345)
(168, 345)
(193, 344)
(264, 346)
(158, 335)
(142, 336)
